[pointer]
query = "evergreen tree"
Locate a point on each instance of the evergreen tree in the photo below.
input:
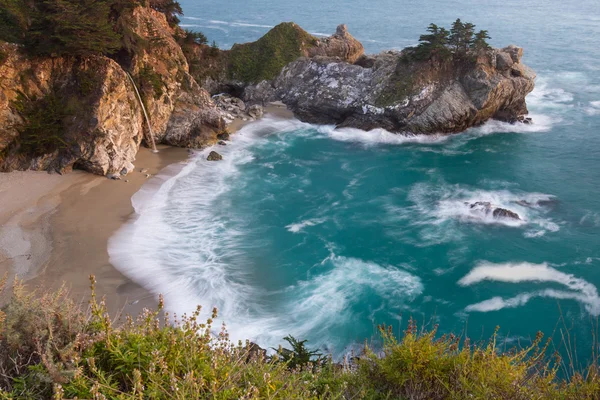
(456, 35)
(170, 8)
(72, 27)
(467, 37)
(480, 42)
(433, 43)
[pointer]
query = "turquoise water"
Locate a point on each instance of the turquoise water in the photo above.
(324, 233)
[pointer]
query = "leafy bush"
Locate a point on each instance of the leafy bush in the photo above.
(14, 16)
(192, 37)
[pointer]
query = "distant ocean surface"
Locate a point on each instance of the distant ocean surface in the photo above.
(324, 233)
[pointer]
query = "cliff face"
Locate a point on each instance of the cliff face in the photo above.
(396, 93)
(57, 113)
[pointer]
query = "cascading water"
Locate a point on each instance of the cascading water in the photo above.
(154, 149)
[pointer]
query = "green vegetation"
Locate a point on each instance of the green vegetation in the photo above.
(77, 27)
(265, 58)
(192, 37)
(51, 347)
(14, 19)
(456, 43)
(44, 129)
(170, 8)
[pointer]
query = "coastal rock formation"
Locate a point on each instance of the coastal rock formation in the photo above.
(82, 113)
(395, 92)
(59, 113)
(233, 107)
(251, 63)
(340, 45)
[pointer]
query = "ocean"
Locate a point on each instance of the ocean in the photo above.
(324, 234)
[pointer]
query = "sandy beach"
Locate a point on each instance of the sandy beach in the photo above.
(54, 228)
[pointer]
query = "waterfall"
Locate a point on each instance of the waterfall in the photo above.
(154, 150)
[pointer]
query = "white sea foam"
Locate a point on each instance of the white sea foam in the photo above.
(594, 108)
(578, 289)
(185, 244)
(377, 136)
(440, 203)
(299, 226)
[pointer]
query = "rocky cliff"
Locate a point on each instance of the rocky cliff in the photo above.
(402, 94)
(57, 113)
(64, 112)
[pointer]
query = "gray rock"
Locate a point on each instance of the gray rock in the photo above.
(214, 156)
(503, 61)
(255, 111)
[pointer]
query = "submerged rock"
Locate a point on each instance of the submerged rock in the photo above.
(214, 156)
(497, 212)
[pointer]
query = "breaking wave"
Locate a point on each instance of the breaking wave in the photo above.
(577, 289)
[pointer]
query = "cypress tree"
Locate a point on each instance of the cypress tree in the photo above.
(433, 43)
(72, 27)
(480, 42)
(456, 35)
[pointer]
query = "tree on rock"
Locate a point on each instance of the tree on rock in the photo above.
(170, 8)
(434, 43)
(456, 35)
(480, 42)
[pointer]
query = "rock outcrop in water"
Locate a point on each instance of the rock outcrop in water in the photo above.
(486, 208)
(396, 92)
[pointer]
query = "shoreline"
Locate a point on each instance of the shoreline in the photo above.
(54, 229)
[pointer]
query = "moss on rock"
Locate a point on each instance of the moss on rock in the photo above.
(265, 58)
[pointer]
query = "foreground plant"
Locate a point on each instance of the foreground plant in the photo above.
(51, 347)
